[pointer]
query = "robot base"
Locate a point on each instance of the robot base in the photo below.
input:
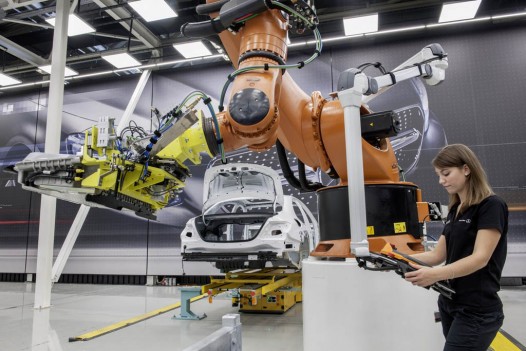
(348, 308)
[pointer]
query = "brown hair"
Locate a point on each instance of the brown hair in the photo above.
(458, 155)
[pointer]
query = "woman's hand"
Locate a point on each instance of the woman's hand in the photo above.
(423, 276)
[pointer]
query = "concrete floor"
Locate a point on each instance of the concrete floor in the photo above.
(79, 309)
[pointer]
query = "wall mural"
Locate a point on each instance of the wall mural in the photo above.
(479, 104)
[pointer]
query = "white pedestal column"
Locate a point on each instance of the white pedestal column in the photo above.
(348, 308)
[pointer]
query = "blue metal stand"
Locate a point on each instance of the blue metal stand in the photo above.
(187, 293)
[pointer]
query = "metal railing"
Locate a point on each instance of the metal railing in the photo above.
(228, 338)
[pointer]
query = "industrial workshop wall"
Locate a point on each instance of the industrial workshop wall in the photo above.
(480, 104)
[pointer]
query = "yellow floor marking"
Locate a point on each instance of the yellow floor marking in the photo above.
(131, 321)
(504, 342)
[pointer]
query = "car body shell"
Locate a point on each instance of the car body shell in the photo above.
(247, 220)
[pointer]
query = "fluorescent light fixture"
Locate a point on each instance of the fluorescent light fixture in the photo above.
(40, 82)
(192, 49)
(67, 73)
(328, 40)
(299, 43)
(509, 16)
(5, 80)
(153, 10)
(122, 60)
(479, 19)
(457, 11)
(188, 60)
(76, 26)
(80, 76)
(360, 25)
(398, 30)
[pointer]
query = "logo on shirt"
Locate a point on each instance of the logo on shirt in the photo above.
(465, 220)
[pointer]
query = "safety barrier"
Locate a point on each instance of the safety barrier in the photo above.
(228, 338)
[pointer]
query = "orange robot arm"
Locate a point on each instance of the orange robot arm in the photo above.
(266, 105)
(252, 118)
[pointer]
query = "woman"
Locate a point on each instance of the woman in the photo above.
(473, 245)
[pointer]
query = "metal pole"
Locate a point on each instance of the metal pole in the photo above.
(69, 242)
(351, 100)
(46, 230)
(134, 100)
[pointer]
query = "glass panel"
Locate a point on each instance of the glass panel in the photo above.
(240, 182)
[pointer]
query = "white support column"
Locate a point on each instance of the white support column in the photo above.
(69, 242)
(46, 230)
(41, 330)
(80, 218)
(351, 100)
(134, 100)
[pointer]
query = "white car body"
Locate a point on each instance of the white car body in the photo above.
(247, 221)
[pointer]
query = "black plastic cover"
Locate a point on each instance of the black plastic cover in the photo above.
(386, 204)
(379, 125)
(249, 106)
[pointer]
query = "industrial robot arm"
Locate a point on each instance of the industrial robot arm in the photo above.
(131, 168)
(256, 44)
(266, 104)
(265, 107)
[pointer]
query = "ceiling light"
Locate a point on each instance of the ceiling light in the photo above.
(459, 11)
(479, 19)
(193, 49)
(76, 26)
(362, 24)
(510, 15)
(67, 73)
(122, 60)
(397, 30)
(5, 80)
(153, 10)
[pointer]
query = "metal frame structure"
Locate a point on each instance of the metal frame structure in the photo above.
(48, 205)
(47, 273)
(82, 214)
(268, 290)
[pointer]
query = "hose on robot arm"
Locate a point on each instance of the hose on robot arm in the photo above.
(256, 125)
(234, 15)
(230, 13)
(207, 9)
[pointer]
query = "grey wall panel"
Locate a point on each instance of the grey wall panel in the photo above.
(19, 116)
(480, 104)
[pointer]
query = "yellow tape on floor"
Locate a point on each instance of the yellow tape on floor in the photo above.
(505, 342)
(502, 342)
(131, 321)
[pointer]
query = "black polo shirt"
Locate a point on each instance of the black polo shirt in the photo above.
(479, 289)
